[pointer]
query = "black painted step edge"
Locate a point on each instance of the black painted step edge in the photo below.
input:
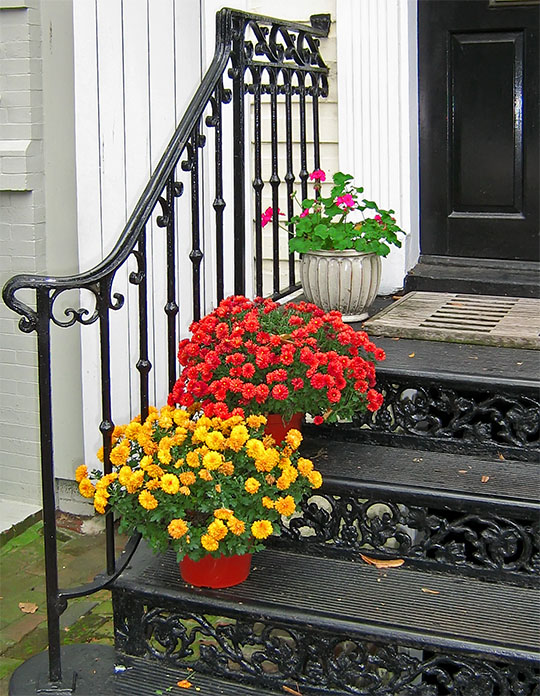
(215, 604)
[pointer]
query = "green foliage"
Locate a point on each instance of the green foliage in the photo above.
(326, 225)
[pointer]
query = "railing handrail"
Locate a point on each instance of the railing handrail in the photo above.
(150, 195)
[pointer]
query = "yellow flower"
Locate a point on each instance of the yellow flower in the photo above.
(165, 421)
(284, 461)
(223, 513)
(215, 440)
(205, 475)
(187, 478)
(270, 479)
(145, 461)
(100, 503)
(227, 468)
(199, 434)
(135, 481)
(118, 431)
(252, 485)
(267, 461)
(99, 454)
(217, 529)
(153, 484)
(120, 453)
(180, 435)
(236, 526)
(184, 490)
(290, 472)
(147, 500)
(86, 488)
(261, 529)
(283, 482)
(209, 543)
(267, 502)
(170, 484)
(294, 438)
(255, 448)
(286, 506)
(239, 435)
(212, 460)
(81, 472)
(192, 458)
(256, 421)
(132, 430)
(154, 471)
(179, 464)
(124, 475)
(164, 456)
(218, 487)
(305, 466)
(177, 528)
(315, 479)
(180, 417)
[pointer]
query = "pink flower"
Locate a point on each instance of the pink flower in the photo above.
(317, 175)
(345, 201)
(266, 217)
(304, 213)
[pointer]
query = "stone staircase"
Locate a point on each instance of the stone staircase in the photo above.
(414, 571)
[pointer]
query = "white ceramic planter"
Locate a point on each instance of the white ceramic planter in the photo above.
(345, 280)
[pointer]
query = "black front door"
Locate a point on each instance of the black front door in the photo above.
(479, 132)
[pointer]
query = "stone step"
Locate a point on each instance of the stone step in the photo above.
(464, 514)
(323, 625)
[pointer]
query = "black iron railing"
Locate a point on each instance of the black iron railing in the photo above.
(259, 62)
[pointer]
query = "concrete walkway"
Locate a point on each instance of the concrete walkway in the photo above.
(23, 625)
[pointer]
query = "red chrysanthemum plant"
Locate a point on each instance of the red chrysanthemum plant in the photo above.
(257, 356)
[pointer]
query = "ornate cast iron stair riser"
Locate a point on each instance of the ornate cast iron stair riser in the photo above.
(485, 544)
(450, 413)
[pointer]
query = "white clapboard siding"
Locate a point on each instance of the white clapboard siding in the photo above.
(137, 65)
(378, 113)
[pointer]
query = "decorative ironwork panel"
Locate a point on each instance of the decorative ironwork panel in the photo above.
(276, 655)
(444, 538)
(454, 414)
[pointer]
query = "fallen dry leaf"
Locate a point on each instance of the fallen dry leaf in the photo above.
(28, 607)
(378, 563)
(484, 479)
(519, 363)
(501, 457)
(396, 338)
(462, 471)
(411, 355)
(291, 691)
(184, 684)
(428, 591)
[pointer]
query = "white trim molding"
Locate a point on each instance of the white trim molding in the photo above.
(378, 114)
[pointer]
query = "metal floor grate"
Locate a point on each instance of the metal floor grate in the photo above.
(483, 319)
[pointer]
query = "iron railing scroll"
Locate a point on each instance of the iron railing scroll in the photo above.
(257, 59)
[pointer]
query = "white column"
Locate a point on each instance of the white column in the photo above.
(378, 114)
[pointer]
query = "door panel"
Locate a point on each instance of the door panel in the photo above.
(479, 147)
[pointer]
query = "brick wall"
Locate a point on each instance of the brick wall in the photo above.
(22, 240)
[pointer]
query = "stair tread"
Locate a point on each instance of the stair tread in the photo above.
(380, 467)
(508, 364)
(365, 600)
(143, 677)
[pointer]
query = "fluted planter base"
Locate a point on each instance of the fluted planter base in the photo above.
(346, 281)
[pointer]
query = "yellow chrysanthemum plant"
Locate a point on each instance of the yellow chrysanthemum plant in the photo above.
(201, 485)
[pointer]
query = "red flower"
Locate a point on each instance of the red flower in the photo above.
(374, 400)
(334, 395)
(261, 393)
(297, 383)
(280, 392)
(318, 420)
(248, 370)
(262, 357)
(222, 330)
(318, 381)
(279, 375)
(248, 391)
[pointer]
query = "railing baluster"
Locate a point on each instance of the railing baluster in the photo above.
(219, 202)
(258, 183)
(237, 72)
(303, 141)
(106, 426)
(143, 363)
(316, 141)
(274, 179)
(43, 307)
(196, 254)
(171, 308)
(289, 175)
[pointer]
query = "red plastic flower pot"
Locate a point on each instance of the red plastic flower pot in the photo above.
(224, 571)
(278, 428)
